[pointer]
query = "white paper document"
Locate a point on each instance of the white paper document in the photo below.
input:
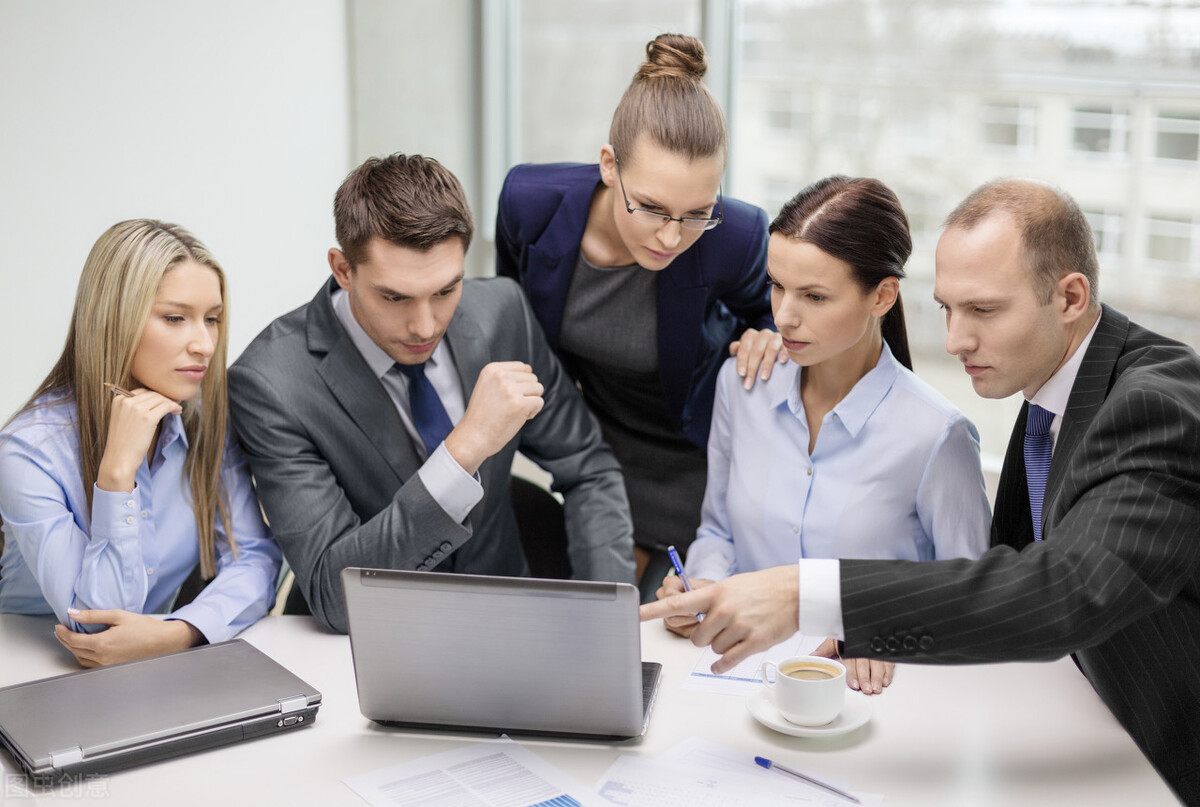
(499, 773)
(744, 678)
(698, 773)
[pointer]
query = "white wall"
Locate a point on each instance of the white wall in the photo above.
(230, 117)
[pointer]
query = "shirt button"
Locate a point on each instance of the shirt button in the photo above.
(129, 519)
(145, 514)
(129, 502)
(808, 471)
(149, 570)
(795, 528)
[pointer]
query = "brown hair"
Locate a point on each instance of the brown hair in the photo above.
(668, 102)
(1056, 238)
(859, 221)
(407, 200)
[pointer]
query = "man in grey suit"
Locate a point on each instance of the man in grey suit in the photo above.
(381, 419)
(1107, 568)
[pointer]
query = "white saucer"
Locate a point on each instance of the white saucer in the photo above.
(855, 713)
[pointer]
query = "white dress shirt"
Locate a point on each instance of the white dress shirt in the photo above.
(448, 483)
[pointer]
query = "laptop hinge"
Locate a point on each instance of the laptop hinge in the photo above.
(67, 756)
(293, 704)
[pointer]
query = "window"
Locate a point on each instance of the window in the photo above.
(789, 111)
(853, 118)
(1010, 126)
(1100, 131)
(925, 212)
(1106, 227)
(1173, 242)
(575, 64)
(1177, 136)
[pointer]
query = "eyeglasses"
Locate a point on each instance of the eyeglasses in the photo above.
(661, 219)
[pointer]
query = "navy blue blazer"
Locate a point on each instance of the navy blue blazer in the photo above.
(706, 297)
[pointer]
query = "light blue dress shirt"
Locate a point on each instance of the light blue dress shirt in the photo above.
(131, 551)
(894, 474)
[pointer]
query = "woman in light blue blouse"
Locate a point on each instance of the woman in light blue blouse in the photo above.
(120, 473)
(843, 453)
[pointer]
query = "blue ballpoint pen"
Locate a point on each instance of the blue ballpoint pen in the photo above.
(687, 584)
(775, 766)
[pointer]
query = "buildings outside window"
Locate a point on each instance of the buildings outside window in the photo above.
(1177, 136)
(1173, 243)
(1106, 226)
(1100, 131)
(1010, 126)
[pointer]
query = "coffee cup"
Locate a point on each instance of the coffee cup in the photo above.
(807, 690)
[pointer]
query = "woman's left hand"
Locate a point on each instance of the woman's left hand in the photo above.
(868, 676)
(757, 354)
(129, 636)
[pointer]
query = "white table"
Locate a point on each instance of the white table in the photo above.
(1014, 734)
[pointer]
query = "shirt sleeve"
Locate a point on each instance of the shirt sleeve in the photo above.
(77, 562)
(244, 588)
(952, 500)
(711, 556)
(821, 598)
(455, 490)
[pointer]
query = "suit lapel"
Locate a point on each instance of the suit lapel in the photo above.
(1087, 394)
(467, 346)
(558, 251)
(356, 389)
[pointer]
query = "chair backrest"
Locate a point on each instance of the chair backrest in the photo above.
(543, 529)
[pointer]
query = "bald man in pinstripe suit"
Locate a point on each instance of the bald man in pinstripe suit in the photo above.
(1114, 577)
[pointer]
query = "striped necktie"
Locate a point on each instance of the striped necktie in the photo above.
(1037, 461)
(428, 414)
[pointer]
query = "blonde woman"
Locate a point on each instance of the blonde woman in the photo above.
(120, 473)
(642, 274)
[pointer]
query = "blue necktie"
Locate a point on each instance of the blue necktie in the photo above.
(428, 414)
(1037, 461)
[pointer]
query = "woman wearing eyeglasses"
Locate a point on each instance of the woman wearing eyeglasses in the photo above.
(642, 274)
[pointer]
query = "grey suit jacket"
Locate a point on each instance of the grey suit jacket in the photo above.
(336, 471)
(1116, 582)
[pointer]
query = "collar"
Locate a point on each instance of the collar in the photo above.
(375, 356)
(1054, 394)
(864, 397)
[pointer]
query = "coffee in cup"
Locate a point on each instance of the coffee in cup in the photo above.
(810, 671)
(807, 690)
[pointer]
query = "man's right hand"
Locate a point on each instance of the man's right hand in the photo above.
(506, 395)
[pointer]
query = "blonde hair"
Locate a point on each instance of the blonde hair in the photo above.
(112, 305)
(668, 102)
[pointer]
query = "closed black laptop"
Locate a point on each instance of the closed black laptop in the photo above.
(104, 719)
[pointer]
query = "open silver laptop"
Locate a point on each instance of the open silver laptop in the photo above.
(104, 719)
(499, 654)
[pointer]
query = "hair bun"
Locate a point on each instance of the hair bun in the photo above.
(674, 55)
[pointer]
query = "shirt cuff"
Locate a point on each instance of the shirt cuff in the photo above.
(455, 490)
(115, 514)
(821, 598)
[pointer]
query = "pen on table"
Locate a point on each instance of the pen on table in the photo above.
(118, 390)
(687, 584)
(775, 766)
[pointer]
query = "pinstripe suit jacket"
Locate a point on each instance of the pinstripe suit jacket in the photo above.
(1115, 583)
